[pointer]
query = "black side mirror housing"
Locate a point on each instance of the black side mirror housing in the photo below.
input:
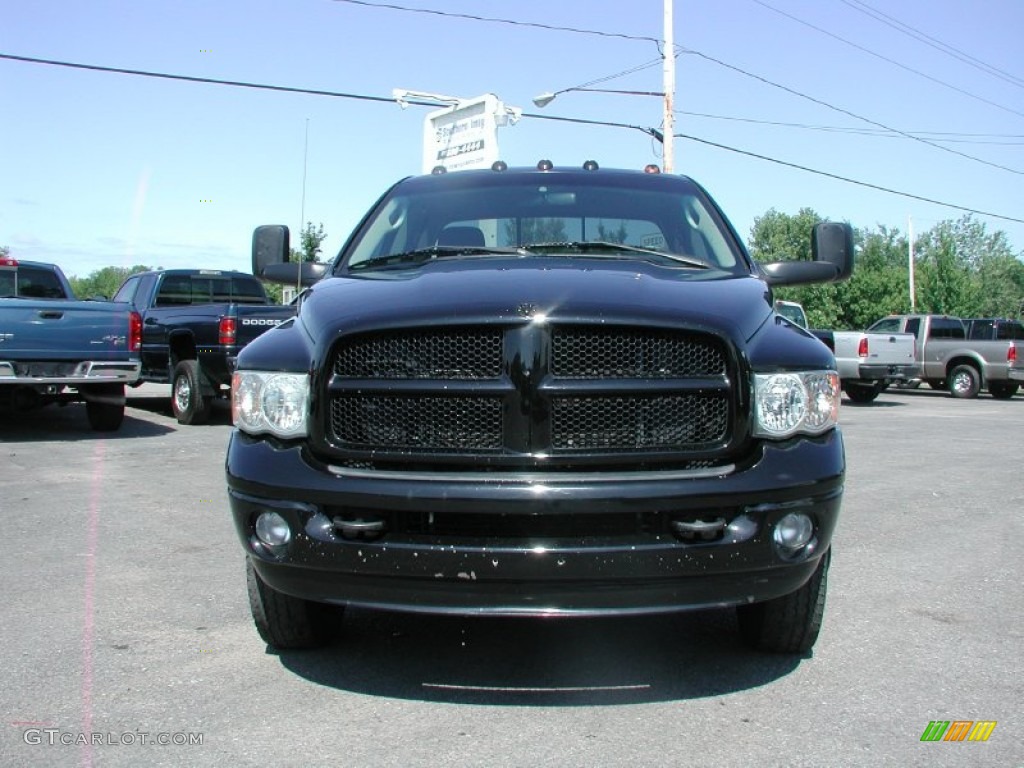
(832, 249)
(270, 259)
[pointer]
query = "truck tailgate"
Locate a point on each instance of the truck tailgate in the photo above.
(63, 330)
(891, 348)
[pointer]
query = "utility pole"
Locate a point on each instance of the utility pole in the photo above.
(669, 87)
(910, 259)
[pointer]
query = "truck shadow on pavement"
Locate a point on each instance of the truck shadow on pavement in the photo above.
(539, 662)
(220, 410)
(70, 423)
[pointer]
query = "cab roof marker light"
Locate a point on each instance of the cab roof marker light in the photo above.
(499, 165)
(545, 165)
(590, 165)
(437, 170)
(651, 168)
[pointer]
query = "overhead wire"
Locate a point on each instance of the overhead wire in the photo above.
(682, 49)
(848, 113)
(888, 60)
(555, 118)
(933, 42)
(947, 136)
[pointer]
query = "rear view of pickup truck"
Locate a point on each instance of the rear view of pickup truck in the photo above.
(54, 349)
(194, 323)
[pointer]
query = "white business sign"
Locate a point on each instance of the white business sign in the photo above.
(466, 135)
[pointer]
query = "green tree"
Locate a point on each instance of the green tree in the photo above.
(103, 282)
(780, 237)
(534, 231)
(879, 285)
(943, 272)
(310, 240)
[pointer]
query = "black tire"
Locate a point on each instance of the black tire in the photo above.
(285, 622)
(862, 393)
(964, 382)
(104, 406)
(787, 624)
(188, 402)
(1003, 390)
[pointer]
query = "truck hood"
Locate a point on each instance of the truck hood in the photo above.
(499, 290)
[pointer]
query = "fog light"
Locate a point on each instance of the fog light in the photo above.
(793, 533)
(273, 530)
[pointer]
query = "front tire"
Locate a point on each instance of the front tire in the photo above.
(791, 623)
(965, 382)
(188, 402)
(285, 622)
(1002, 390)
(104, 406)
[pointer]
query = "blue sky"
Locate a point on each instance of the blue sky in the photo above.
(101, 169)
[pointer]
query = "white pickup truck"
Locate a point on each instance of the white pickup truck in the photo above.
(867, 361)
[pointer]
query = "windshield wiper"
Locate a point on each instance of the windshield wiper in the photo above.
(421, 255)
(592, 247)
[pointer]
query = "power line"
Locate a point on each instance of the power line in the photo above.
(848, 113)
(512, 22)
(848, 180)
(947, 136)
(190, 79)
(933, 42)
(886, 59)
(555, 118)
(617, 75)
(488, 19)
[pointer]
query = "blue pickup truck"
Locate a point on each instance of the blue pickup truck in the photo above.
(56, 349)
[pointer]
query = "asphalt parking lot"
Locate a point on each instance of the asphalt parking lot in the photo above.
(127, 638)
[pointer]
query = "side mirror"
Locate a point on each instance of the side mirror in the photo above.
(269, 247)
(833, 243)
(270, 260)
(832, 248)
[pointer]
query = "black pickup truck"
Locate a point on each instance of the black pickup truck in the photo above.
(194, 322)
(540, 392)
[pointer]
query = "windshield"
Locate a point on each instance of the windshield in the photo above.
(507, 215)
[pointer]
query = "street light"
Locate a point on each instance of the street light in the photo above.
(664, 137)
(546, 98)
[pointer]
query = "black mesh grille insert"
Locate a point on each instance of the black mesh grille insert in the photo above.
(626, 353)
(429, 354)
(616, 423)
(418, 423)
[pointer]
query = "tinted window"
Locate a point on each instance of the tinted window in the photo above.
(127, 291)
(947, 328)
(507, 212)
(980, 329)
(1010, 330)
(913, 326)
(175, 291)
(32, 283)
(886, 325)
(246, 290)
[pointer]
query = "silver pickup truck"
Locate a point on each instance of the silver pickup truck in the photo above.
(867, 362)
(949, 360)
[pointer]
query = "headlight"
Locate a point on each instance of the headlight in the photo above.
(270, 402)
(787, 404)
